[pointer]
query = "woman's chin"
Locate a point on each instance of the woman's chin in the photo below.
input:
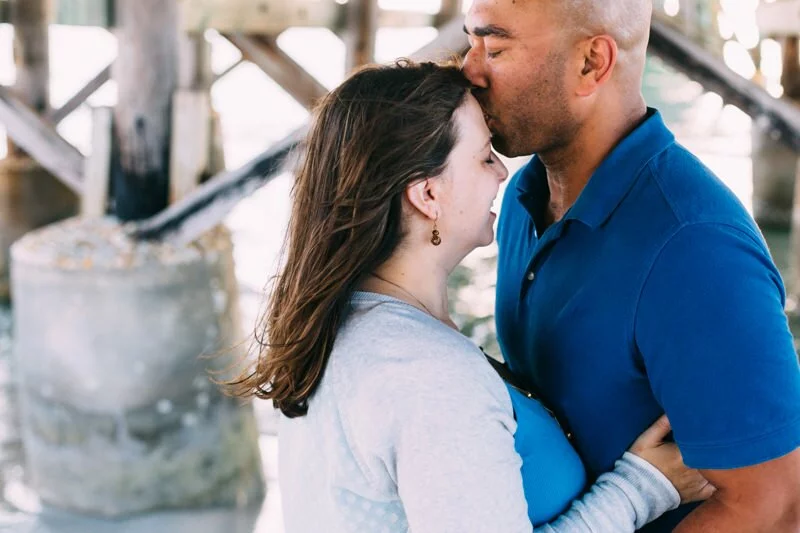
(487, 241)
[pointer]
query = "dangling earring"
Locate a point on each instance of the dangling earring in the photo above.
(435, 239)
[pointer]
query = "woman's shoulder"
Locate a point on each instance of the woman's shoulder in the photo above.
(382, 334)
(388, 351)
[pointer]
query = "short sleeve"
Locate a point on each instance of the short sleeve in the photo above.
(715, 343)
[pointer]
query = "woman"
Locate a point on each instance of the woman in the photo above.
(394, 421)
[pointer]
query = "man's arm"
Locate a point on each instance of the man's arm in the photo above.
(764, 497)
(720, 359)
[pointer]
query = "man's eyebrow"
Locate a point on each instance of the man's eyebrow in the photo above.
(491, 29)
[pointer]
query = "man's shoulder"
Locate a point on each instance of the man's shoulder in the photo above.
(692, 192)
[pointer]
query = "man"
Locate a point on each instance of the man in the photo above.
(631, 281)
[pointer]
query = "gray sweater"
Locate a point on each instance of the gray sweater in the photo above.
(412, 430)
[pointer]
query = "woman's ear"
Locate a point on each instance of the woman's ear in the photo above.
(424, 197)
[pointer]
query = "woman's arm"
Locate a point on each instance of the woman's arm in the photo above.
(646, 482)
(623, 500)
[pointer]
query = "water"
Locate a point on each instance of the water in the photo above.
(255, 112)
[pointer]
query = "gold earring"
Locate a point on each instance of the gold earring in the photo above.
(435, 239)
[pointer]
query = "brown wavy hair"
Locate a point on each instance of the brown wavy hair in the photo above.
(384, 128)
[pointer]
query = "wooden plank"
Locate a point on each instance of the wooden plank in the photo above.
(267, 55)
(359, 37)
(194, 62)
(191, 142)
(40, 140)
(75, 101)
(97, 173)
(216, 159)
(703, 67)
(779, 19)
(255, 16)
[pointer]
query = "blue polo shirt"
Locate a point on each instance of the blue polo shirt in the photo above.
(654, 293)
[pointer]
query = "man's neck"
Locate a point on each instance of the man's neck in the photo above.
(570, 167)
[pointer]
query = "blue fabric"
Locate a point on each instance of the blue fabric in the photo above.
(655, 292)
(552, 473)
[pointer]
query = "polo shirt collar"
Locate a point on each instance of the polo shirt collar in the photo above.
(610, 182)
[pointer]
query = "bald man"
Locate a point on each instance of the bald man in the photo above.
(631, 281)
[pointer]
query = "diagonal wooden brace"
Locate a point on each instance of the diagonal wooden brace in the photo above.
(41, 141)
(265, 53)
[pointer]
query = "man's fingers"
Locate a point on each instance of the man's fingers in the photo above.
(655, 434)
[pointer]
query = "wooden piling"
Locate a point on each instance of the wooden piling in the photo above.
(147, 75)
(30, 19)
(362, 25)
(790, 78)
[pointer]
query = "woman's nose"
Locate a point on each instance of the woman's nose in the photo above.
(503, 172)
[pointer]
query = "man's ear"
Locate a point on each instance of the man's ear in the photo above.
(599, 57)
(423, 195)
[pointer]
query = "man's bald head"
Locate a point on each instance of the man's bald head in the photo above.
(627, 21)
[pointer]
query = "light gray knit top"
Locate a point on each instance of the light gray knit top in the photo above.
(412, 430)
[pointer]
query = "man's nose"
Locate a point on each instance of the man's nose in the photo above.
(473, 69)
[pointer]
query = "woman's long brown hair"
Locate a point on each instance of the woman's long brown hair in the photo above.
(382, 129)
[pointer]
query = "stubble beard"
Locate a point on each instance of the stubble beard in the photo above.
(539, 119)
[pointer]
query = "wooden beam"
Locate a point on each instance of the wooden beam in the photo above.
(40, 140)
(97, 173)
(703, 67)
(265, 53)
(779, 19)
(211, 202)
(255, 16)
(359, 38)
(191, 142)
(75, 101)
(30, 19)
(194, 62)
